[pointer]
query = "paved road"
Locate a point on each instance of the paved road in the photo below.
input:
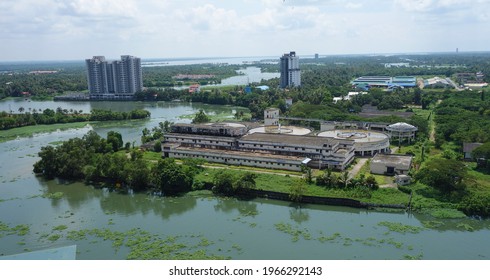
(353, 172)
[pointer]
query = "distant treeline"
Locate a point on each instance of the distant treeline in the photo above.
(49, 116)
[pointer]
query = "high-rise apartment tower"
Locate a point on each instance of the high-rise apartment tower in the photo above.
(119, 79)
(290, 72)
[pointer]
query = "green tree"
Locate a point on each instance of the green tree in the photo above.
(445, 175)
(245, 181)
(137, 174)
(297, 191)
(171, 178)
(115, 140)
(482, 151)
(307, 174)
(223, 183)
(48, 165)
(201, 117)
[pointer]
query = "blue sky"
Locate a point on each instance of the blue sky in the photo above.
(78, 29)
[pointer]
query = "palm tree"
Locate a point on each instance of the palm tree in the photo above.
(343, 180)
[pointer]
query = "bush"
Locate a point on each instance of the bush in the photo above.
(475, 205)
(405, 189)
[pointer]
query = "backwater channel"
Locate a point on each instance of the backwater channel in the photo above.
(109, 225)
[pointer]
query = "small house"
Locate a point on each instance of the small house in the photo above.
(468, 149)
(391, 164)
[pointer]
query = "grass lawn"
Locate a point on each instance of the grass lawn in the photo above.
(282, 183)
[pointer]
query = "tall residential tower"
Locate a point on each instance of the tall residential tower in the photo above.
(290, 73)
(119, 79)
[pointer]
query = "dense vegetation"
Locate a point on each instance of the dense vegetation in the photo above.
(104, 160)
(96, 159)
(463, 117)
(48, 116)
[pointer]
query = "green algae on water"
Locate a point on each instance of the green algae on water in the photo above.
(56, 195)
(401, 228)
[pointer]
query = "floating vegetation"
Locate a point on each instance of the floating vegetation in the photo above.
(20, 230)
(204, 242)
(398, 245)
(432, 224)
(294, 232)
(143, 245)
(447, 214)
(329, 238)
(252, 213)
(410, 257)
(401, 228)
(56, 195)
(60, 227)
(465, 226)
(54, 237)
(13, 198)
(236, 247)
(252, 225)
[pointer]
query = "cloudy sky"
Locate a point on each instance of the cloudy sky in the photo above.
(79, 29)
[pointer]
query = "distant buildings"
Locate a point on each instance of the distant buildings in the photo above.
(290, 72)
(367, 82)
(118, 79)
(349, 96)
(437, 82)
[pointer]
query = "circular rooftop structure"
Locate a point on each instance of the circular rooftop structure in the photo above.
(366, 142)
(401, 127)
(281, 129)
(402, 131)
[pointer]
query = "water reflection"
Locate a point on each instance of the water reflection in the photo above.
(229, 205)
(299, 214)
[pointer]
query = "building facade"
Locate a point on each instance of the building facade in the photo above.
(229, 144)
(119, 79)
(290, 72)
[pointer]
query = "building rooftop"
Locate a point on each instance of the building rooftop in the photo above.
(401, 126)
(297, 140)
(401, 161)
(469, 147)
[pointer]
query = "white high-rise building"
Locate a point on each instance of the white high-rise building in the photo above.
(119, 79)
(290, 72)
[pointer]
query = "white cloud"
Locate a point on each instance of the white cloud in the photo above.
(77, 28)
(351, 5)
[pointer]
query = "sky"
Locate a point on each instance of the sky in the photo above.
(80, 29)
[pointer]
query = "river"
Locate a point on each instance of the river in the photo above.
(198, 224)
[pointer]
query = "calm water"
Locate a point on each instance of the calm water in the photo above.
(256, 229)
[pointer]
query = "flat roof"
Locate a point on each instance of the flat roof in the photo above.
(401, 161)
(210, 125)
(363, 136)
(201, 136)
(297, 140)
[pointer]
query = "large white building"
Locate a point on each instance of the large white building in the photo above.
(119, 79)
(232, 144)
(290, 72)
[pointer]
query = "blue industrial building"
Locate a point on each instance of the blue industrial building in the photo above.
(366, 82)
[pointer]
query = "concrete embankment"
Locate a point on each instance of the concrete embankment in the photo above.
(334, 201)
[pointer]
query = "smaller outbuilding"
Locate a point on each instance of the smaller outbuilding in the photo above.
(468, 149)
(384, 164)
